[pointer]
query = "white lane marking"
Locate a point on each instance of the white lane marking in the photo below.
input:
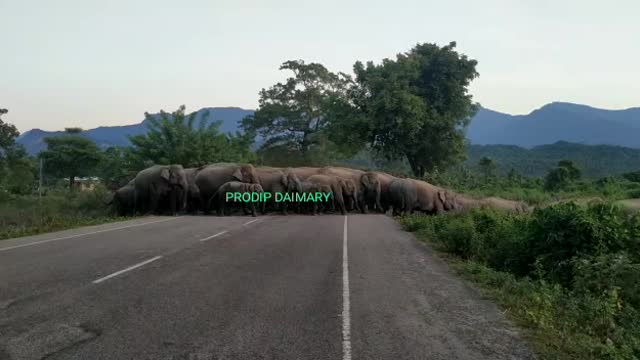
(127, 269)
(346, 304)
(252, 221)
(80, 235)
(213, 236)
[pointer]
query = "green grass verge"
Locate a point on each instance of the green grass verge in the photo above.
(28, 215)
(569, 275)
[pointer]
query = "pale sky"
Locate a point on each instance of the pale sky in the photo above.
(88, 63)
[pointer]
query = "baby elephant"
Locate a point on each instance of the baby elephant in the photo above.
(220, 197)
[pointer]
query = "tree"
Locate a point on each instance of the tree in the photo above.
(562, 175)
(176, 139)
(514, 177)
(70, 155)
(418, 105)
(488, 167)
(8, 132)
(573, 171)
(20, 170)
(296, 114)
(115, 168)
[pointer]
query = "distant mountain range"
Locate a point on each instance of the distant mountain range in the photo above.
(551, 123)
(557, 122)
(105, 136)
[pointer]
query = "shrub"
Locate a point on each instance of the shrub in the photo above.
(28, 215)
(570, 273)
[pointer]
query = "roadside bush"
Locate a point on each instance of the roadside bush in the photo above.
(569, 273)
(29, 215)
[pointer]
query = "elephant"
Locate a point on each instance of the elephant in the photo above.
(408, 195)
(194, 203)
(403, 195)
(504, 204)
(304, 172)
(351, 174)
(158, 184)
(310, 187)
(123, 200)
(278, 181)
(210, 178)
(231, 187)
(431, 199)
(338, 187)
(350, 192)
(375, 186)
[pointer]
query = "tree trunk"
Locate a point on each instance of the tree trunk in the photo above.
(71, 182)
(417, 170)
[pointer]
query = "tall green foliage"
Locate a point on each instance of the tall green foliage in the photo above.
(418, 105)
(16, 168)
(70, 155)
(488, 167)
(296, 114)
(8, 132)
(562, 176)
(176, 139)
(571, 273)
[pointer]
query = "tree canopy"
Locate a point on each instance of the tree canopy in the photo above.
(176, 139)
(488, 167)
(295, 115)
(8, 132)
(418, 105)
(70, 155)
(562, 175)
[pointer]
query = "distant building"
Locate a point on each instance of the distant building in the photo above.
(86, 183)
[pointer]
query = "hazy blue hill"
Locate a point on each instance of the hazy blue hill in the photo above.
(551, 123)
(33, 140)
(593, 160)
(557, 122)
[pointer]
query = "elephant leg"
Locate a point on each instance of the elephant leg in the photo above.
(153, 202)
(253, 209)
(172, 202)
(341, 205)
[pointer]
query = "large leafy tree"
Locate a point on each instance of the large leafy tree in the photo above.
(488, 167)
(176, 138)
(70, 155)
(293, 116)
(418, 105)
(8, 132)
(116, 167)
(562, 175)
(16, 168)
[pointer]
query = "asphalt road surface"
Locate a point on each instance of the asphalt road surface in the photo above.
(273, 287)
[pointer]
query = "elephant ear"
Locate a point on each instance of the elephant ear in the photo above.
(364, 180)
(442, 196)
(285, 180)
(238, 174)
(165, 174)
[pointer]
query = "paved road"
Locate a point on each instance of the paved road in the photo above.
(274, 287)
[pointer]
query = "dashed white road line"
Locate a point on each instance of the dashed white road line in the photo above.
(213, 236)
(346, 304)
(80, 235)
(250, 222)
(127, 269)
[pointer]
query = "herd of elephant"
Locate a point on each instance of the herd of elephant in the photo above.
(172, 189)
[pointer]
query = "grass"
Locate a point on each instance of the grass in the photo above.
(28, 215)
(568, 274)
